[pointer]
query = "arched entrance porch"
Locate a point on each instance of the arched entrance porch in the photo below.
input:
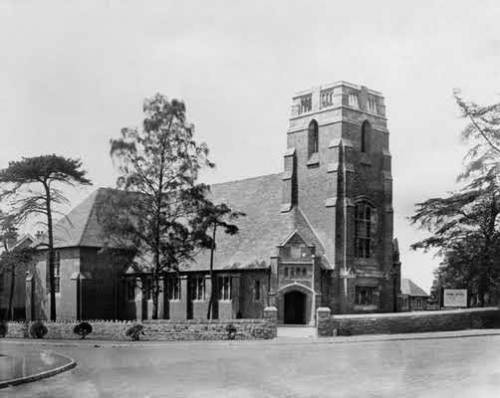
(294, 307)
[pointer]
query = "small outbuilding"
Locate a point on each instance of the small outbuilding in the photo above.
(413, 297)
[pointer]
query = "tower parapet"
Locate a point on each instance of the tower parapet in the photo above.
(337, 95)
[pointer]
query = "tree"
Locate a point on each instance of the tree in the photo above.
(11, 257)
(464, 224)
(155, 215)
(465, 219)
(483, 130)
(210, 217)
(461, 268)
(29, 185)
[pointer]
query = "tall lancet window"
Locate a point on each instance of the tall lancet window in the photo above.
(365, 136)
(364, 229)
(313, 139)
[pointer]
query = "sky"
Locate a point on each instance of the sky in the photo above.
(72, 74)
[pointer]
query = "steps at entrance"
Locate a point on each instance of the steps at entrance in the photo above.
(296, 331)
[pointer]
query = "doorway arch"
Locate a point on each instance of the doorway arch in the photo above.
(295, 307)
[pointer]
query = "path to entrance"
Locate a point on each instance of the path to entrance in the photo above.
(436, 366)
(296, 331)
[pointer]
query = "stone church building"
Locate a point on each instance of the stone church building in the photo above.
(318, 234)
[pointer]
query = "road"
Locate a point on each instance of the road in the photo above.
(434, 367)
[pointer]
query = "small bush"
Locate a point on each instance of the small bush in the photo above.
(83, 329)
(344, 332)
(135, 331)
(3, 329)
(231, 331)
(38, 330)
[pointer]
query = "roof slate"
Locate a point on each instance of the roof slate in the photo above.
(261, 230)
(409, 288)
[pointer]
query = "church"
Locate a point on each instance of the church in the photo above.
(318, 234)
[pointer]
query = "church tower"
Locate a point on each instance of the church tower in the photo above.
(338, 175)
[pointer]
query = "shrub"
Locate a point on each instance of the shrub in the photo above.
(344, 332)
(3, 329)
(231, 331)
(135, 331)
(38, 330)
(83, 329)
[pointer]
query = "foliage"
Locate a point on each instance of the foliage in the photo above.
(464, 225)
(231, 331)
(4, 328)
(209, 218)
(12, 258)
(135, 331)
(470, 213)
(38, 330)
(483, 131)
(83, 329)
(29, 187)
(154, 212)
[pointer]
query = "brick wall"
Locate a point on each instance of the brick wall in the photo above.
(474, 318)
(161, 330)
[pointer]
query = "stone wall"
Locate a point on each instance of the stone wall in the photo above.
(161, 330)
(415, 322)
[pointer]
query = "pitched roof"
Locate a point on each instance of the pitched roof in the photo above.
(80, 227)
(261, 230)
(409, 288)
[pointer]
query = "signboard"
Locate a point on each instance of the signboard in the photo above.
(455, 297)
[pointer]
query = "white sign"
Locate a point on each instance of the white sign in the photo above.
(455, 298)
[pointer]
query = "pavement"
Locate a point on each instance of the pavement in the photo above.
(441, 364)
(286, 335)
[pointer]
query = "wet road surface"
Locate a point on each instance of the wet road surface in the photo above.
(446, 367)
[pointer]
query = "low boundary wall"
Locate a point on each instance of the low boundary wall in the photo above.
(406, 322)
(160, 330)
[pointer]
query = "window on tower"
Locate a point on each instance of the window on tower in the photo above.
(365, 136)
(364, 295)
(364, 216)
(372, 105)
(313, 139)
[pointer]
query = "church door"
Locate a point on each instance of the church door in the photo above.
(295, 307)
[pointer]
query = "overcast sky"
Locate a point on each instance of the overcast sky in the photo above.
(72, 76)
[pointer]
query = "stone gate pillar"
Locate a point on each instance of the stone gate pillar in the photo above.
(139, 315)
(324, 324)
(30, 302)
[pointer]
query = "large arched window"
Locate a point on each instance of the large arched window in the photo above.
(365, 136)
(313, 139)
(364, 220)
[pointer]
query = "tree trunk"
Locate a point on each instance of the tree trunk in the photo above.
(155, 294)
(50, 232)
(11, 293)
(211, 301)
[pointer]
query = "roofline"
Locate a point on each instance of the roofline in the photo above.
(23, 239)
(244, 179)
(205, 271)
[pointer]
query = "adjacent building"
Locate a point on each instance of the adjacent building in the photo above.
(413, 298)
(320, 233)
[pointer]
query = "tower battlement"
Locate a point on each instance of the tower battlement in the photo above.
(337, 95)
